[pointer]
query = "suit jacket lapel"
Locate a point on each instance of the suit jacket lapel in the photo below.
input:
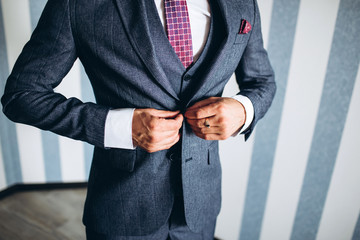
(211, 72)
(229, 13)
(135, 19)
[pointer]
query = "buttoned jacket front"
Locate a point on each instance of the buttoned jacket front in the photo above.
(131, 64)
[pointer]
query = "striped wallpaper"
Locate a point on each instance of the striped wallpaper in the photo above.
(298, 176)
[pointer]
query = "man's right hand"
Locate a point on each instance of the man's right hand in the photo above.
(155, 130)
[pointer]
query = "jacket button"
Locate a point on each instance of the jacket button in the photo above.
(172, 157)
(187, 78)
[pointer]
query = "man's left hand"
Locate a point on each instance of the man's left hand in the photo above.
(216, 118)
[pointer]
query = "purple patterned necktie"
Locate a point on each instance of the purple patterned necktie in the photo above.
(178, 30)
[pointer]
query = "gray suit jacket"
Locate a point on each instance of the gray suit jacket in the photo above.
(130, 63)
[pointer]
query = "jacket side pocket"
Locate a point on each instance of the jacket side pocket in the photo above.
(122, 159)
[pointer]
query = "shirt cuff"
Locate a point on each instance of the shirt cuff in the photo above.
(118, 129)
(249, 110)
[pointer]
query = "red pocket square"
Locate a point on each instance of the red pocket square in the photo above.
(245, 27)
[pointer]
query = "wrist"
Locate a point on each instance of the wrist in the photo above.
(118, 129)
(249, 112)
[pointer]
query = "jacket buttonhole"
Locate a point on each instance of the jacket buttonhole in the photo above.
(188, 160)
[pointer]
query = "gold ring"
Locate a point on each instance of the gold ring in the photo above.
(207, 124)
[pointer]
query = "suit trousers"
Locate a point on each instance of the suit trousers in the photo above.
(174, 229)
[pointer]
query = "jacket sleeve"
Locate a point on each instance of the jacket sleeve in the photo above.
(255, 75)
(29, 97)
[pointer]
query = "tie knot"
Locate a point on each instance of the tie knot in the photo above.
(173, 3)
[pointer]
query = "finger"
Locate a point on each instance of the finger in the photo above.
(170, 124)
(166, 137)
(203, 112)
(171, 141)
(203, 103)
(179, 118)
(153, 139)
(201, 123)
(204, 131)
(157, 124)
(190, 111)
(166, 144)
(164, 114)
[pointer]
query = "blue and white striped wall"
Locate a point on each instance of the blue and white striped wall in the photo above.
(298, 176)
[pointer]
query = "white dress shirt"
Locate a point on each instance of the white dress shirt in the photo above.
(118, 125)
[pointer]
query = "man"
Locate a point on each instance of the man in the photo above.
(156, 172)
